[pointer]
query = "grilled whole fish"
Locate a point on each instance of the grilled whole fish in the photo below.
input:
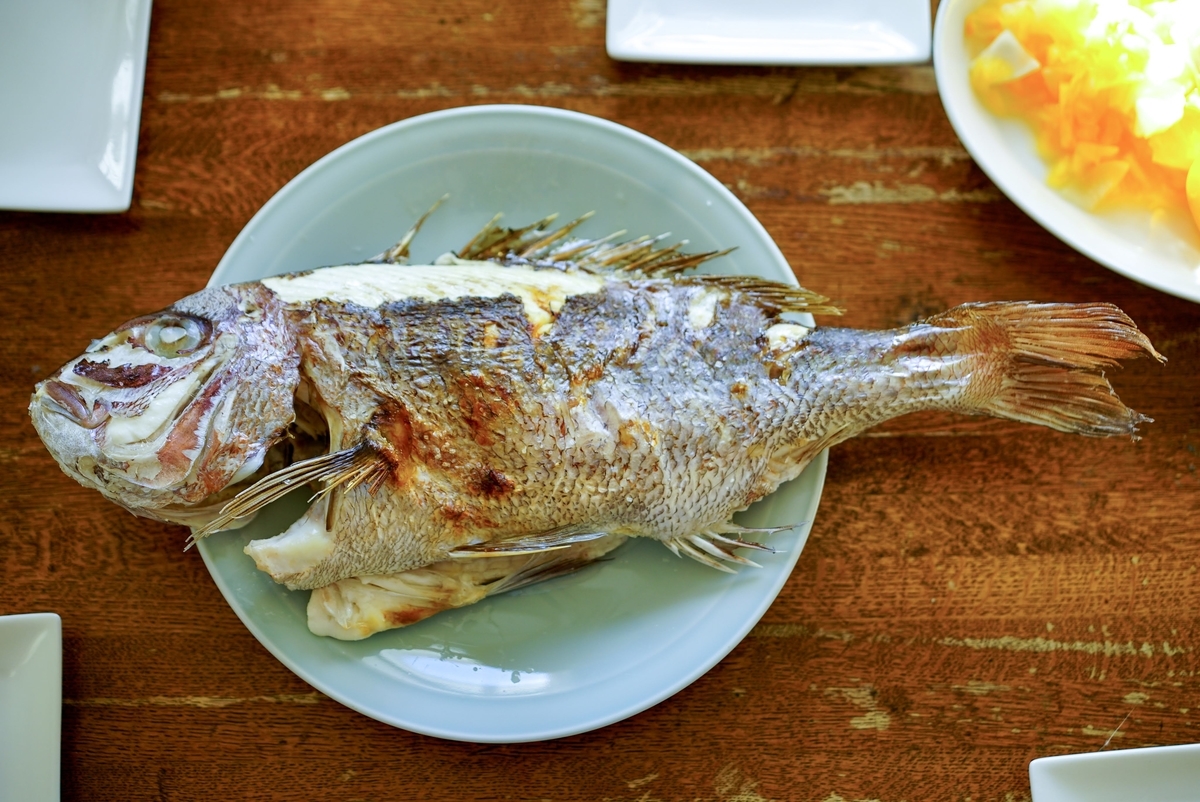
(519, 408)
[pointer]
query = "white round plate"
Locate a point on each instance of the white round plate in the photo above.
(1161, 254)
(575, 653)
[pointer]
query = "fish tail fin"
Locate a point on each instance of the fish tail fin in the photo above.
(1045, 363)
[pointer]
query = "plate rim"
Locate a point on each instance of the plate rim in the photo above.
(816, 470)
(1042, 204)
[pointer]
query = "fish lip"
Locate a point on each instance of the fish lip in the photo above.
(63, 399)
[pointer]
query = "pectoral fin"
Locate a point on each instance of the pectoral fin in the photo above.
(340, 471)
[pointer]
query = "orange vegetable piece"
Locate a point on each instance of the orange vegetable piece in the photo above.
(1113, 101)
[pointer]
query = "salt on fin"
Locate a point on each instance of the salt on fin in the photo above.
(340, 471)
(538, 543)
(539, 245)
(1056, 355)
(398, 253)
(772, 296)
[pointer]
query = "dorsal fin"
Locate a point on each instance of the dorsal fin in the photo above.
(398, 253)
(772, 296)
(494, 242)
(541, 246)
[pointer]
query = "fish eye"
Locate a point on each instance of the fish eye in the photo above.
(172, 336)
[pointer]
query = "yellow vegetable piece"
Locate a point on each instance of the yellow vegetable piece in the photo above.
(1193, 190)
(1114, 103)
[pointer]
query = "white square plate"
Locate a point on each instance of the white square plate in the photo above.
(770, 31)
(1160, 773)
(71, 76)
(30, 706)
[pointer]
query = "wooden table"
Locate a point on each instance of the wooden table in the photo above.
(975, 593)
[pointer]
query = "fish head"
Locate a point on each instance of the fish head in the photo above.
(173, 408)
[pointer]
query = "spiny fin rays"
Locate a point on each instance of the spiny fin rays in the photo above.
(772, 295)
(537, 543)
(340, 471)
(539, 245)
(398, 253)
(714, 549)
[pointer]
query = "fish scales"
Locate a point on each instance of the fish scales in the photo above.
(635, 425)
(517, 410)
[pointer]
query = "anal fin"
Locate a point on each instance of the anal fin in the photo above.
(714, 548)
(540, 542)
(355, 608)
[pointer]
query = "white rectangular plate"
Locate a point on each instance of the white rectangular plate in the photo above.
(1160, 773)
(71, 74)
(845, 32)
(30, 706)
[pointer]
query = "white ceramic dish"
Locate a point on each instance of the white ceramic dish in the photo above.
(71, 77)
(30, 706)
(769, 31)
(1164, 255)
(579, 652)
(1160, 773)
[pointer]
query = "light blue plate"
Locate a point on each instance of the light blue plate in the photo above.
(576, 653)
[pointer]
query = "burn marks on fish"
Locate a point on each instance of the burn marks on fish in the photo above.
(492, 483)
(443, 378)
(485, 405)
(467, 332)
(621, 412)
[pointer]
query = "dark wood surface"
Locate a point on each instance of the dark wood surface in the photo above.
(975, 594)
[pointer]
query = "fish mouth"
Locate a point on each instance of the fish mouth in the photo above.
(62, 399)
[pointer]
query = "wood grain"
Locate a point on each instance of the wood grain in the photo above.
(974, 594)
